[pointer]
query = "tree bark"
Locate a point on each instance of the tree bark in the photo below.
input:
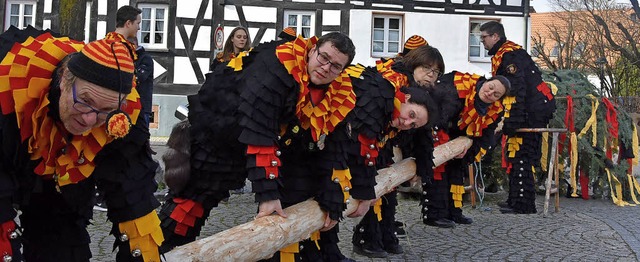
(261, 238)
(72, 15)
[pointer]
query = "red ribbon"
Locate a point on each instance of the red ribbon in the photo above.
(584, 184)
(569, 123)
(611, 117)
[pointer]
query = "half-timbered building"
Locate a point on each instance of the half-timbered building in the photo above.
(180, 34)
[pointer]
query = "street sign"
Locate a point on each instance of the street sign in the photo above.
(218, 37)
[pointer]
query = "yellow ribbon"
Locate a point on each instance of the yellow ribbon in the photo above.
(545, 151)
(616, 195)
(574, 164)
(592, 121)
(631, 179)
(635, 146)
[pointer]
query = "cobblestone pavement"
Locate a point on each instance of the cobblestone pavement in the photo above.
(591, 230)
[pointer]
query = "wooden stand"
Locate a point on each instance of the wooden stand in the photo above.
(553, 166)
(261, 238)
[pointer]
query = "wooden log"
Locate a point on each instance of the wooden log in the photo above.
(261, 238)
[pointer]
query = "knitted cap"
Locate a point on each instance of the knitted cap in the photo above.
(98, 63)
(288, 34)
(413, 42)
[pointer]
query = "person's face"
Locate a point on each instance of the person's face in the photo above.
(239, 40)
(88, 108)
(325, 63)
(411, 116)
(133, 26)
(491, 91)
(426, 76)
(488, 40)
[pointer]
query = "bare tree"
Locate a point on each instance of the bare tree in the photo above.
(71, 17)
(592, 36)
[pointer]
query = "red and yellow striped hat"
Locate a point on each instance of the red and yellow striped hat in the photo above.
(413, 42)
(106, 63)
(288, 34)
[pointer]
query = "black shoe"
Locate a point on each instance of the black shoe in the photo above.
(441, 222)
(508, 210)
(400, 232)
(373, 253)
(462, 219)
(394, 249)
(503, 204)
(346, 259)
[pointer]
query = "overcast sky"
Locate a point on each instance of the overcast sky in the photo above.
(541, 6)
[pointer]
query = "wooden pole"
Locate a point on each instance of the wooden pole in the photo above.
(552, 166)
(472, 184)
(261, 238)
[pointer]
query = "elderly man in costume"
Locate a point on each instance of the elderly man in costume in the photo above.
(70, 121)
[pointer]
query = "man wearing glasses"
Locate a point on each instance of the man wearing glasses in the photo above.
(70, 121)
(270, 116)
(530, 105)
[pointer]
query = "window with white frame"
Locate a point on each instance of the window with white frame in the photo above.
(20, 14)
(555, 51)
(386, 35)
(302, 21)
(153, 28)
(477, 52)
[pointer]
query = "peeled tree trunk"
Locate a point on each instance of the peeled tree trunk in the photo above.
(261, 238)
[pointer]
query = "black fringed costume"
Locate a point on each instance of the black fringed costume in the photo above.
(51, 175)
(460, 107)
(530, 105)
(254, 118)
(376, 230)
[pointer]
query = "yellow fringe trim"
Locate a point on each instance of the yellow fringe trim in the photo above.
(507, 102)
(287, 254)
(315, 236)
(344, 176)
(480, 154)
(377, 209)
(513, 145)
(457, 191)
(144, 234)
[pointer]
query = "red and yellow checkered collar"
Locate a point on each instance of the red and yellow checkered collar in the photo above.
(28, 67)
(338, 100)
(496, 59)
(398, 80)
(470, 120)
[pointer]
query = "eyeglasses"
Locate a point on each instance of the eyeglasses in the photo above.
(85, 108)
(484, 36)
(433, 72)
(324, 60)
